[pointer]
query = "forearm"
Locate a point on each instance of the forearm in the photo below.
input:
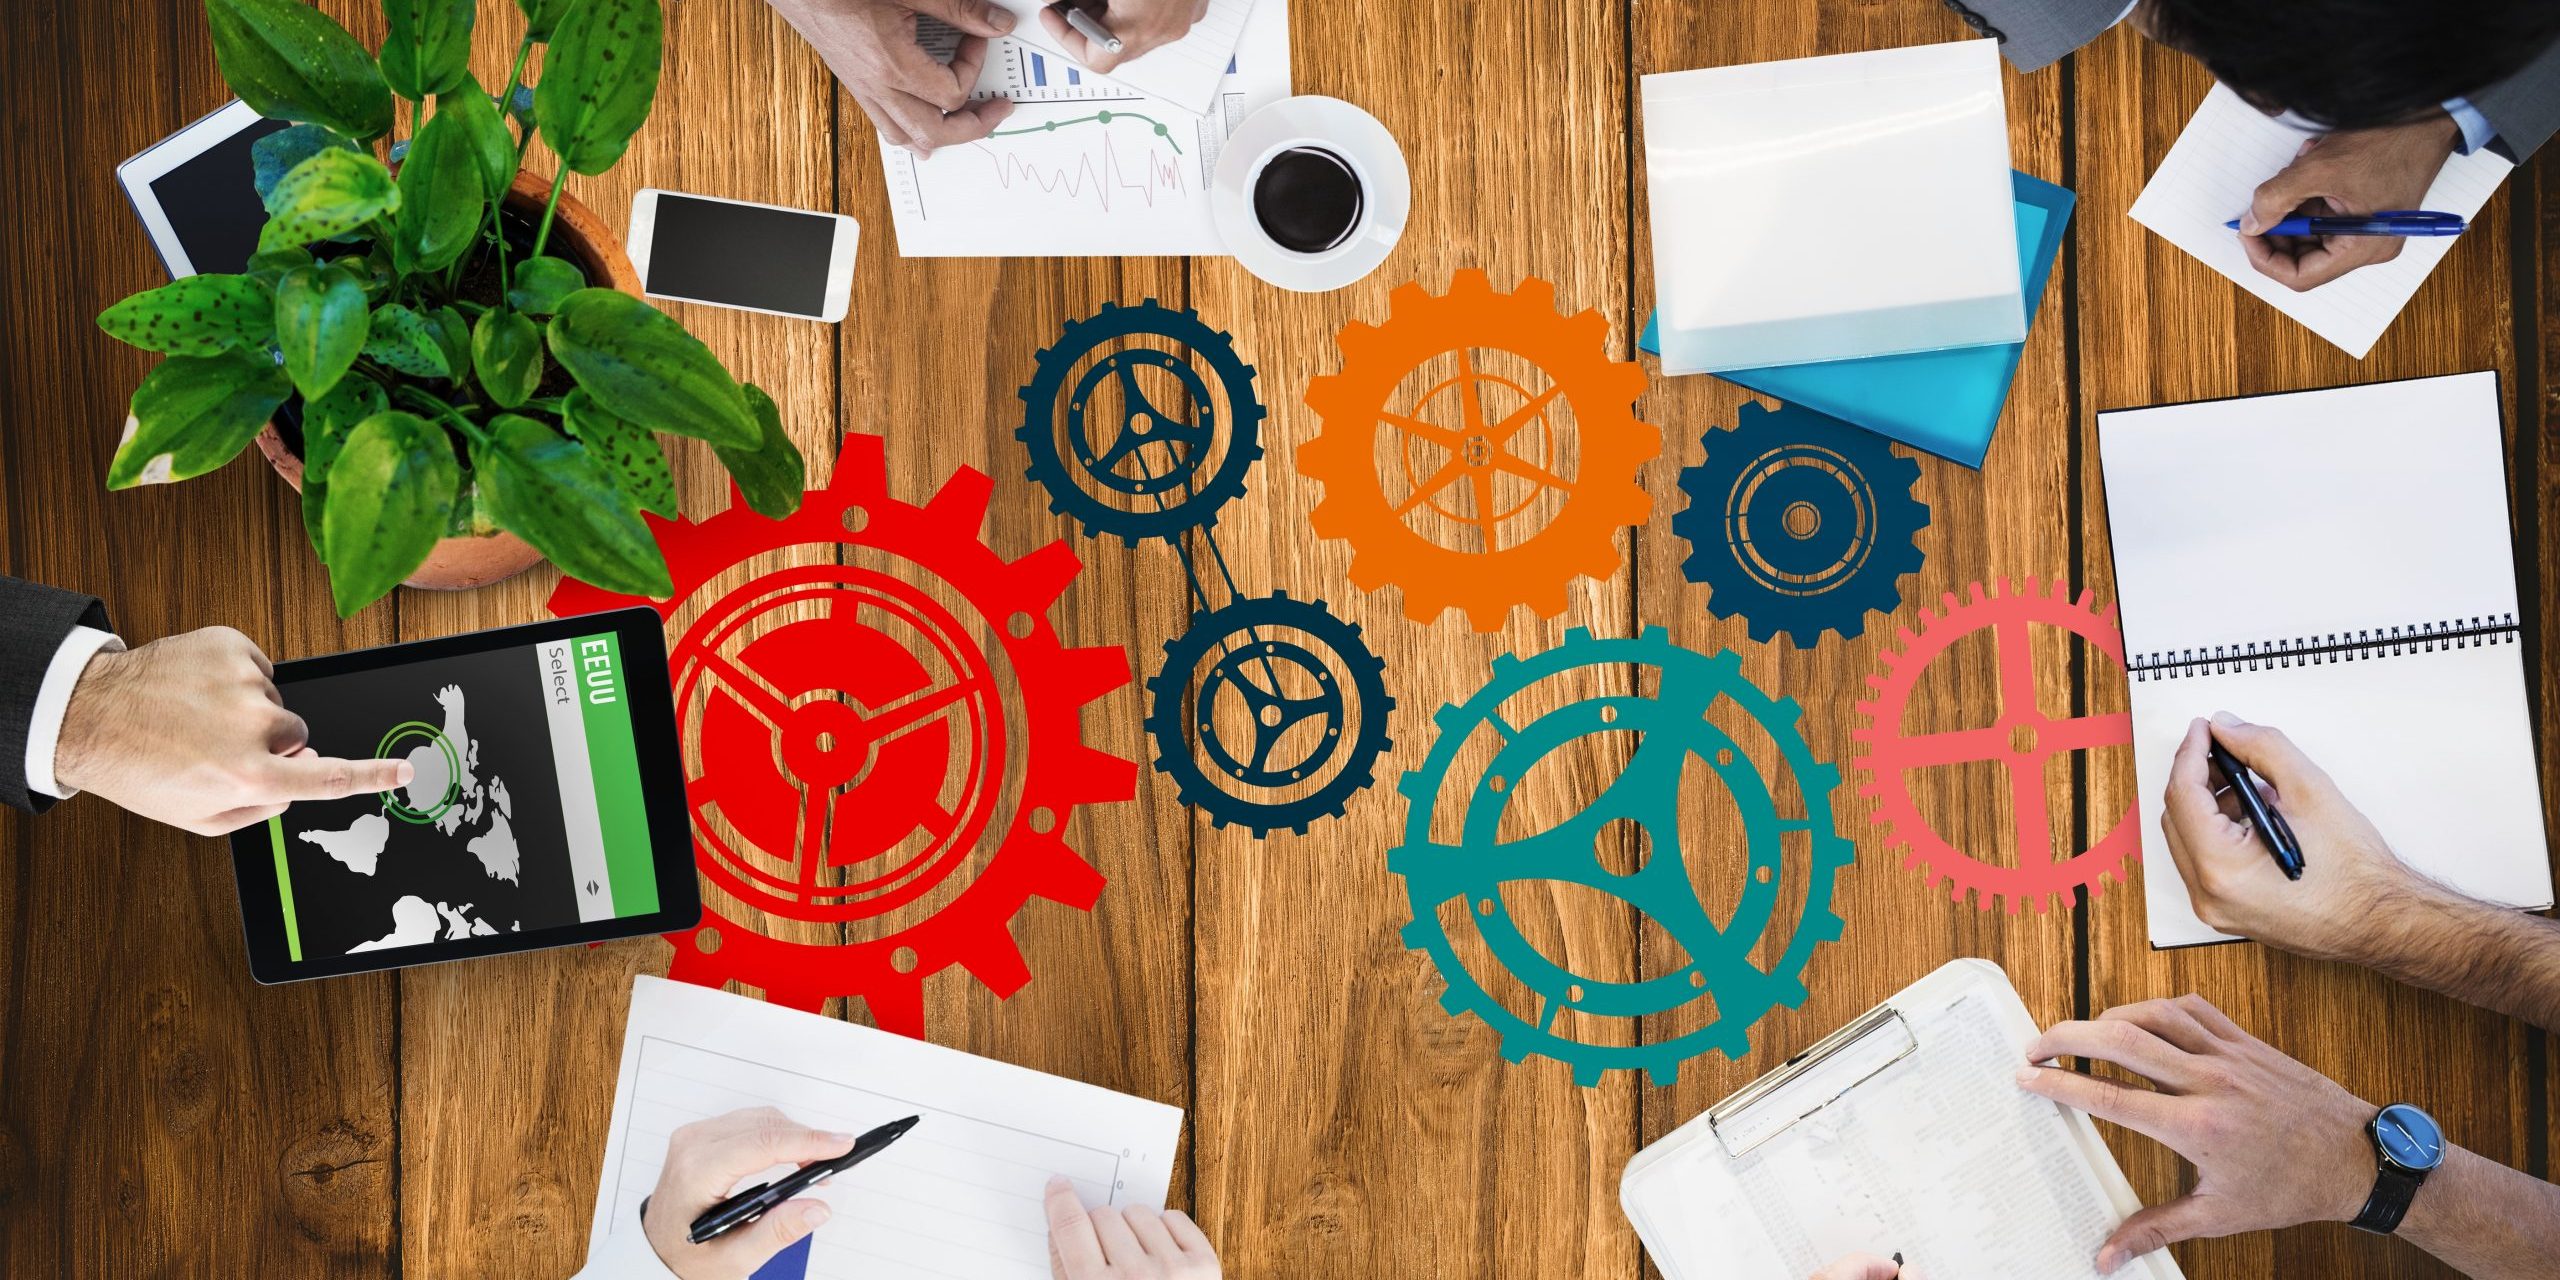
(2477, 953)
(2486, 1220)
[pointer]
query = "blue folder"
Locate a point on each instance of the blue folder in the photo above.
(1946, 402)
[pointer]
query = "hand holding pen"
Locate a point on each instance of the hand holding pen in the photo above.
(707, 1158)
(1102, 34)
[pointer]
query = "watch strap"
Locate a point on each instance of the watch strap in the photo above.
(2393, 1189)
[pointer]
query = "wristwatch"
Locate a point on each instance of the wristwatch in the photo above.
(2407, 1146)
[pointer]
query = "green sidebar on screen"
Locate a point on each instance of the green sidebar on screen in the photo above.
(524, 812)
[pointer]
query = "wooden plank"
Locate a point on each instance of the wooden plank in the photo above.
(2537, 512)
(2155, 327)
(138, 1061)
(1346, 1124)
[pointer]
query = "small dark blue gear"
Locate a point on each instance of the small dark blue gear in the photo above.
(1349, 700)
(1117, 460)
(1800, 522)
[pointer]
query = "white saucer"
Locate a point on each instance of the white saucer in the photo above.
(1346, 131)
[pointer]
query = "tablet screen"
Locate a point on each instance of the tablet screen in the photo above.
(526, 813)
(212, 205)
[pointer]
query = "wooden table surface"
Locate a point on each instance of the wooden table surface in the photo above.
(162, 1115)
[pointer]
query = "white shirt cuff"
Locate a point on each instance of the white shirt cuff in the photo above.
(625, 1255)
(2477, 132)
(53, 701)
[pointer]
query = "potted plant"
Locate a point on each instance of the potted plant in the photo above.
(449, 368)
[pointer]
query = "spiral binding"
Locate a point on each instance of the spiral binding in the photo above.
(2314, 650)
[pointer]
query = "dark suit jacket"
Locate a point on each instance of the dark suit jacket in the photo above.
(2525, 107)
(33, 621)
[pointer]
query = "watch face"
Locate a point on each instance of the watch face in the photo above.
(2409, 1137)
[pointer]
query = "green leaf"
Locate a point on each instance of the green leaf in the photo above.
(193, 413)
(640, 364)
(325, 424)
(506, 351)
(403, 340)
(475, 114)
(441, 201)
(426, 47)
(541, 284)
(453, 333)
(275, 155)
(772, 474)
(541, 16)
(630, 454)
(598, 80)
(549, 492)
(320, 326)
(330, 194)
(471, 515)
(289, 61)
(269, 265)
(391, 489)
(370, 272)
(197, 316)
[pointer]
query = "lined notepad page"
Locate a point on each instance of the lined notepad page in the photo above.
(959, 1196)
(1185, 72)
(2324, 513)
(2227, 151)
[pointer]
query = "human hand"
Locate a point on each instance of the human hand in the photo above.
(1142, 25)
(1123, 1244)
(1867, 1266)
(2347, 868)
(2361, 171)
(189, 730)
(705, 1161)
(2274, 1142)
(914, 101)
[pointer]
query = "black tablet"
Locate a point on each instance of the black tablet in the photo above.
(547, 806)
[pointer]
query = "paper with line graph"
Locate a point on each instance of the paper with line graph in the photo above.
(959, 1196)
(1083, 167)
(1186, 72)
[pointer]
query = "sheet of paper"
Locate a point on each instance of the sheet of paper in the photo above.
(1083, 167)
(2267, 520)
(960, 1195)
(1186, 72)
(2228, 149)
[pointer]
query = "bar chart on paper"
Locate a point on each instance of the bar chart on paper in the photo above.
(1083, 166)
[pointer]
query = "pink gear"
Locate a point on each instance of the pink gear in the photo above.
(822, 741)
(2022, 739)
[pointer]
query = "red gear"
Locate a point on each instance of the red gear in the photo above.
(864, 732)
(1887, 753)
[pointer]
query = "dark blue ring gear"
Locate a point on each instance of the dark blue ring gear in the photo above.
(1352, 762)
(1800, 522)
(1050, 469)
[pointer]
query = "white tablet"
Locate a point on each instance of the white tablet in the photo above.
(196, 192)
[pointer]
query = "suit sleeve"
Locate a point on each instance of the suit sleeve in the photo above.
(2525, 107)
(2037, 33)
(34, 620)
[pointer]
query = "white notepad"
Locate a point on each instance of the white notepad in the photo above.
(960, 1194)
(2209, 175)
(1905, 1132)
(2336, 564)
(1185, 72)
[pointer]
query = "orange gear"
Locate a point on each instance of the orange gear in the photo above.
(1601, 497)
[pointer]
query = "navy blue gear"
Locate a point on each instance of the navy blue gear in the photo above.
(1800, 523)
(1182, 497)
(1230, 640)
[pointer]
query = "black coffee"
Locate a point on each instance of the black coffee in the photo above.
(1307, 199)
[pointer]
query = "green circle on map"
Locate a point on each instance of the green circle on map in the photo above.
(402, 732)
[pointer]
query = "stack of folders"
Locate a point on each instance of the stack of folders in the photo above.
(1776, 270)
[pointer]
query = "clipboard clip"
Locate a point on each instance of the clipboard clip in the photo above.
(1760, 1091)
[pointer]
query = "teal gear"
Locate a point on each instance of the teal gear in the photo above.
(1673, 730)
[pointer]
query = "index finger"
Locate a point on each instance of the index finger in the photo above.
(968, 124)
(1073, 44)
(2140, 1110)
(2189, 797)
(769, 1143)
(301, 777)
(1072, 1243)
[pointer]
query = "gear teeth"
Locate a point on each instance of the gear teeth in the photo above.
(1001, 968)
(1453, 1003)
(1534, 291)
(1453, 719)
(1041, 578)
(1588, 1074)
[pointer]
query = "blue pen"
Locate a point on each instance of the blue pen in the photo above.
(2389, 222)
(2272, 828)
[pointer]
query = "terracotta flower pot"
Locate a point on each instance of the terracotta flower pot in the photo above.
(476, 560)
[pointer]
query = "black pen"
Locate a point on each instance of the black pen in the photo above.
(2270, 824)
(752, 1203)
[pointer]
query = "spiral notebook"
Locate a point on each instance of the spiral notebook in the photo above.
(2337, 564)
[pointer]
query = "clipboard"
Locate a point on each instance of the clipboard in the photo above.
(1747, 1189)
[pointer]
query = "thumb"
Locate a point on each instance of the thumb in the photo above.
(305, 777)
(2276, 199)
(1859, 1266)
(2270, 755)
(787, 1224)
(973, 17)
(2154, 1228)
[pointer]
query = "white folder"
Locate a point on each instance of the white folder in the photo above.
(1903, 1132)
